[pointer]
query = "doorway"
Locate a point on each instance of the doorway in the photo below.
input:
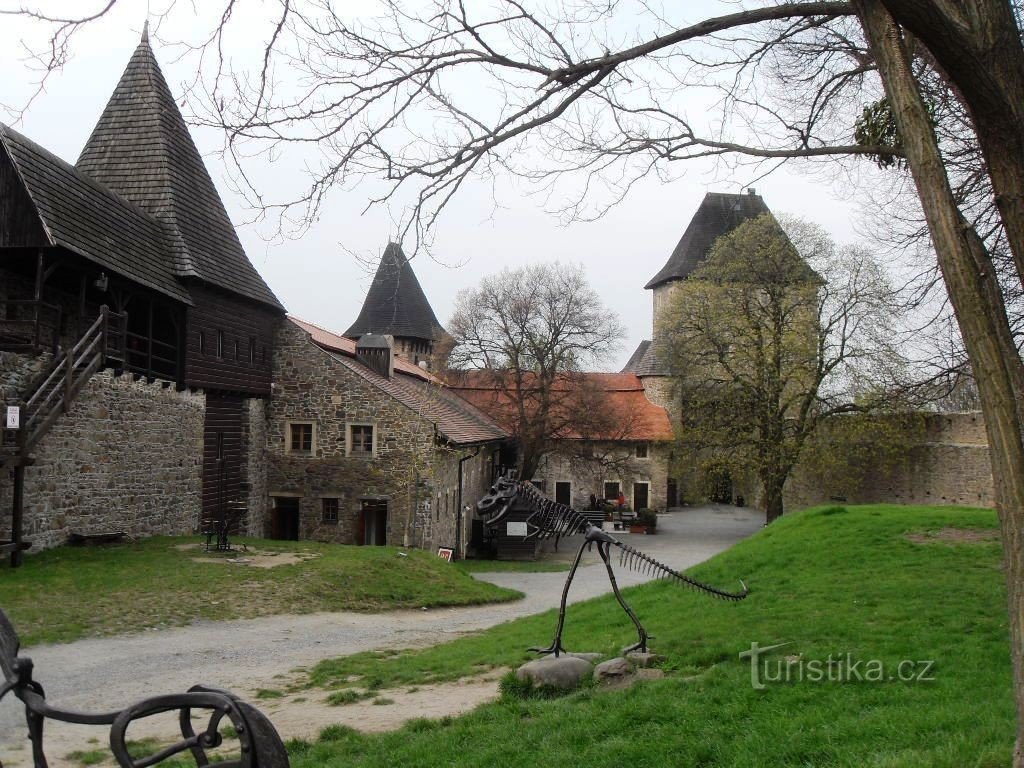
(641, 495)
(373, 523)
(284, 519)
(563, 493)
(672, 494)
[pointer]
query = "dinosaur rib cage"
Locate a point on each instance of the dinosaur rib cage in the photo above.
(550, 519)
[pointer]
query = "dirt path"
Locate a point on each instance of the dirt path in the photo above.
(253, 654)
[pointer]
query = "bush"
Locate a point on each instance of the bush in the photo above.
(648, 518)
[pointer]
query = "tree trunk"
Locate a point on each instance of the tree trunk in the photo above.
(773, 507)
(970, 281)
(978, 47)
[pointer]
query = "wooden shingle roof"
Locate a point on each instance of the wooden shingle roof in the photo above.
(395, 304)
(142, 149)
(85, 217)
(719, 213)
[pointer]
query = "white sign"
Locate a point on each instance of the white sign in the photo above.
(13, 417)
(515, 529)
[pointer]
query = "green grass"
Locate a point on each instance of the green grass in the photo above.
(829, 581)
(68, 593)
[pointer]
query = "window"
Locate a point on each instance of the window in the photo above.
(202, 343)
(641, 450)
(611, 490)
(300, 437)
(220, 344)
(329, 511)
(236, 350)
(360, 440)
(252, 349)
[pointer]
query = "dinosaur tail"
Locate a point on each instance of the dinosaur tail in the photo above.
(640, 562)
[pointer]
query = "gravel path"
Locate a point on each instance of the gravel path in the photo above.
(246, 655)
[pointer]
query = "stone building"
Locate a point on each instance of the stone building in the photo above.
(626, 449)
(396, 306)
(135, 336)
(365, 447)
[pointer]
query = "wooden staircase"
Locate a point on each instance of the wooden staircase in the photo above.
(51, 395)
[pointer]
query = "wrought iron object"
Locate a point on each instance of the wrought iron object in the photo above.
(547, 519)
(259, 743)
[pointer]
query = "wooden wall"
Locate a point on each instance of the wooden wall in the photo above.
(19, 222)
(240, 322)
(222, 454)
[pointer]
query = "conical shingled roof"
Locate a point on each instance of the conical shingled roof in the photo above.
(395, 304)
(719, 213)
(142, 149)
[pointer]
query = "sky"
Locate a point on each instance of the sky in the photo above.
(323, 275)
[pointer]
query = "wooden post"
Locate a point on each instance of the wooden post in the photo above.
(69, 370)
(105, 314)
(17, 513)
(38, 300)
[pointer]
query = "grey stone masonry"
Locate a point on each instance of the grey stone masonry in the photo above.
(408, 468)
(126, 457)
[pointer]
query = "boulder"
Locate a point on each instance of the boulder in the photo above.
(565, 672)
(645, 660)
(613, 669)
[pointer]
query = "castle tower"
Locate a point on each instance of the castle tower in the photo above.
(396, 306)
(718, 214)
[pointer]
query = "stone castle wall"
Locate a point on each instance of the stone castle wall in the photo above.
(950, 466)
(126, 457)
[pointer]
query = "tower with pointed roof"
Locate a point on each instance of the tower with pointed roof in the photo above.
(718, 214)
(396, 306)
(136, 230)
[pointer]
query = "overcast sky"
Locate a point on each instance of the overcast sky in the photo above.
(318, 278)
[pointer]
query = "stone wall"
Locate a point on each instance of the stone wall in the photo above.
(949, 466)
(417, 477)
(126, 457)
(613, 462)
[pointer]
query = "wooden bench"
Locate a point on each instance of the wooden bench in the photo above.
(259, 744)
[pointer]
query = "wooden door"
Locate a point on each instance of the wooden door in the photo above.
(641, 495)
(222, 455)
(284, 519)
(563, 493)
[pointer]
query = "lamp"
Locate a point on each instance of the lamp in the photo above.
(102, 282)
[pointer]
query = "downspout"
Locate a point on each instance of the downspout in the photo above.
(458, 513)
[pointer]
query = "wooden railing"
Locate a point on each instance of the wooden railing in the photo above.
(60, 384)
(27, 325)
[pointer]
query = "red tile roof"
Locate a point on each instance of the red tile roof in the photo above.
(458, 420)
(621, 395)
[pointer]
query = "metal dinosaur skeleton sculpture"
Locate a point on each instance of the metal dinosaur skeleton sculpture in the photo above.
(547, 519)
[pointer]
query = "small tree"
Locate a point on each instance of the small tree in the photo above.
(767, 341)
(528, 333)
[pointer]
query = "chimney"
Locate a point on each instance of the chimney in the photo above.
(751, 191)
(377, 353)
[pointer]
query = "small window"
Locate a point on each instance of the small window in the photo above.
(220, 446)
(641, 450)
(236, 350)
(300, 438)
(220, 344)
(360, 440)
(329, 512)
(202, 343)
(252, 349)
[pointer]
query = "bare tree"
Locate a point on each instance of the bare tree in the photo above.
(523, 336)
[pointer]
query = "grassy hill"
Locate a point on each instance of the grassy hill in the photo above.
(67, 593)
(882, 585)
